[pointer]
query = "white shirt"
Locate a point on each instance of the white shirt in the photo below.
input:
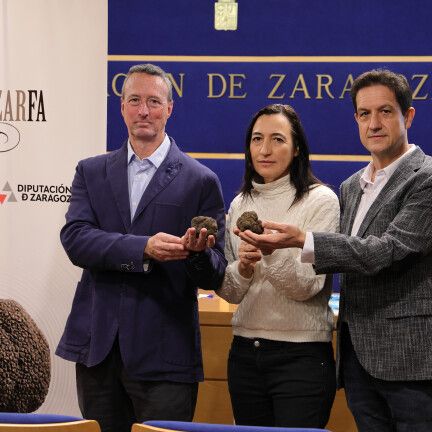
(371, 189)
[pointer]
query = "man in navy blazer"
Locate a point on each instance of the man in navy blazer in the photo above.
(133, 329)
(384, 255)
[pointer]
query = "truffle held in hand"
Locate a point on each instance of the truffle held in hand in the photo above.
(208, 222)
(249, 221)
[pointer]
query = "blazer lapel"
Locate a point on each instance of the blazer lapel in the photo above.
(354, 192)
(406, 168)
(118, 179)
(164, 175)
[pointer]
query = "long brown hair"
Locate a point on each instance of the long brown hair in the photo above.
(301, 175)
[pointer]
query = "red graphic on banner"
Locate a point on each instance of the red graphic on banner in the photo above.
(2, 198)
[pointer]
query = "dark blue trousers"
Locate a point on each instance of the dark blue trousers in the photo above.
(383, 406)
(282, 384)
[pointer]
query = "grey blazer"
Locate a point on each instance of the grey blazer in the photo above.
(386, 271)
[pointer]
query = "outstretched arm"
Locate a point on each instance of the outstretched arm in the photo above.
(276, 236)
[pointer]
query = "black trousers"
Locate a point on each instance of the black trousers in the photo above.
(383, 406)
(107, 394)
(281, 384)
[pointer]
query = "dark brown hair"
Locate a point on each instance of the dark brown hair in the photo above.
(301, 175)
(394, 81)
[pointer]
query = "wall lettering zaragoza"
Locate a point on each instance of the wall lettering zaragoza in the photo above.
(280, 86)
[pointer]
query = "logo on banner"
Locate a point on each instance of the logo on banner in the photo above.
(35, 193)
(18, 106)
(226, 15)
(9, 137)
(6, 195)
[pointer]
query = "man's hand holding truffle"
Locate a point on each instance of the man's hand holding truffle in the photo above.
(197, 244)
(201, 235)
(248, 221)
(276, 236)
(165, 247)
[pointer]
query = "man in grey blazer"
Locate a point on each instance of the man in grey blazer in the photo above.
(384, 255)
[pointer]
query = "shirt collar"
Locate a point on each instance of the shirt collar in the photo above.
(156, 158)
(387, 172)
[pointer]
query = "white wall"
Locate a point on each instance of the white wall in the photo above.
(59, 49)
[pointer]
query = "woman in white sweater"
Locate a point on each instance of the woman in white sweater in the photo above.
(281, 369)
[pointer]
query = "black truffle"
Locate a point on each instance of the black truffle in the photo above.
(208, 222)
(24, 360)
(249, 221)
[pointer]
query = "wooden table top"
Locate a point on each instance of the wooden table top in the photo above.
(213, 310)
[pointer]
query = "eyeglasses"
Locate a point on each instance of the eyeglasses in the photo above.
(151, 103)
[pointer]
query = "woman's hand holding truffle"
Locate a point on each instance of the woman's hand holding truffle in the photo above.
(276, 236)
(248, 257)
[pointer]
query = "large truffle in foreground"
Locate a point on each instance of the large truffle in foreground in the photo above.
(208, 222)
(24, 360)
(249, 221)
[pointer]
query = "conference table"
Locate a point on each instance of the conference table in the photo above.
(213, 404)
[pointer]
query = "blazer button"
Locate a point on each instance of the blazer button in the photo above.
(127, 267)
(256, 344)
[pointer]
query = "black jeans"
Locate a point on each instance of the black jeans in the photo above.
(284, 384)
(107, 394)
(383, 406)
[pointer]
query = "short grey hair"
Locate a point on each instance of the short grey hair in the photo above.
(149, 69)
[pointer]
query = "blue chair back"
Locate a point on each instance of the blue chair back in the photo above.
(208, 427)
(34, 422)
(35, 418)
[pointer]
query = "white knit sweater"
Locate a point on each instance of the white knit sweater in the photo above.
(284, 300)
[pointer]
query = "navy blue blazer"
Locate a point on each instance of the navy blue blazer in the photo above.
(154, 312)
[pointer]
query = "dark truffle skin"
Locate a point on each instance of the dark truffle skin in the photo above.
(208, 222)
(249, 221)
(24, 360)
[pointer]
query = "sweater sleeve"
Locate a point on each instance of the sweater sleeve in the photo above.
(234, 286)
(283, 268)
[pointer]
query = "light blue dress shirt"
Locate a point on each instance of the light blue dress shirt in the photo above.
(141, 171)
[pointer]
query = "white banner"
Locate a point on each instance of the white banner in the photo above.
(53, 73)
